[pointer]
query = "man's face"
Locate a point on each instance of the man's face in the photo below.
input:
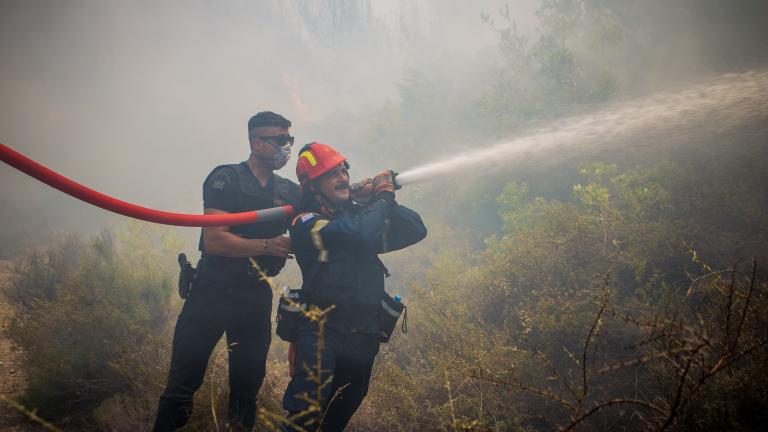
(334, 185)
(266, 147)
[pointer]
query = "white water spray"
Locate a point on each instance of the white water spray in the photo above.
(729, 101)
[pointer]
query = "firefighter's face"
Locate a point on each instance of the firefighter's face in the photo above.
(334, 185)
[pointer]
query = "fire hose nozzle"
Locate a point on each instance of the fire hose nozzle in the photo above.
(394, 181)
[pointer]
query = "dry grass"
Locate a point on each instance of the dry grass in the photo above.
(13, 416)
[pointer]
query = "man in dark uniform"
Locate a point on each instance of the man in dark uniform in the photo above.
(227, 295)
(337, 241)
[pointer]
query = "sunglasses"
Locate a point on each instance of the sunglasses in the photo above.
(280, 141)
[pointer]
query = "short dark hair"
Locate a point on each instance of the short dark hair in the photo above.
(268, 118)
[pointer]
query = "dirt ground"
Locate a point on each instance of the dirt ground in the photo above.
(12, 378)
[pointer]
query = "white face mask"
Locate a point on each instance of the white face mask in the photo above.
(279, 158)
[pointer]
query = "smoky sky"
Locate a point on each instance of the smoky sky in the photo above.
(142, 99)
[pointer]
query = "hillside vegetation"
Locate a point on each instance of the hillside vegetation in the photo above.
(616, 291)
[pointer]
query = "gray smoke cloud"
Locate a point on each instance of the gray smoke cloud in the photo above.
(141, 99)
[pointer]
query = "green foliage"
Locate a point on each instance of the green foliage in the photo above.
(549, 77)
(93, 317)
(493, 326)
(508, 285)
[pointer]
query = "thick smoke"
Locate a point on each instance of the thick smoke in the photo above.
(142, 99)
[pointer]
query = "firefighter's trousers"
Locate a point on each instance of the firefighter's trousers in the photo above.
(348, 358)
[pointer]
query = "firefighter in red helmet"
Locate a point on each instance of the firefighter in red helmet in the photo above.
(336, 240)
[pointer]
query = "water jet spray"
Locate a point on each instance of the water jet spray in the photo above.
(703, 110)
(729, 101)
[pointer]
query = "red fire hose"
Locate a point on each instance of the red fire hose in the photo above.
(83, 193)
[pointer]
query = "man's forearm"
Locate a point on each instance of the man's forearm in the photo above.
(220, 241)
(231, 245)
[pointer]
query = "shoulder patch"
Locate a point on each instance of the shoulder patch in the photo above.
(220, 177)
(304, 217)
(218, 183)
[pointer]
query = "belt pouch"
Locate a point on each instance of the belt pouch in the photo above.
(389, 313)
(289, 314)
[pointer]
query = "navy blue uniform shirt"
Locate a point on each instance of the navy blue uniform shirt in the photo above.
(339, 262)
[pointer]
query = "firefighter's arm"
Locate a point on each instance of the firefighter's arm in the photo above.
(303, 232)
(219, 240)
(405, 229)
(363, 229)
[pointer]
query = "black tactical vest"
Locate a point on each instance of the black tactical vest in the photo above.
(252, 197)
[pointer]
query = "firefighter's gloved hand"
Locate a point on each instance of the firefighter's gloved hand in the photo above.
(384, 185)
(362, 191)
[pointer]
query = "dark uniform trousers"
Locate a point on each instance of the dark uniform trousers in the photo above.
(348, 358)
(221, 301)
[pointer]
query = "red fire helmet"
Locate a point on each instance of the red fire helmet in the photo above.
(316, 159)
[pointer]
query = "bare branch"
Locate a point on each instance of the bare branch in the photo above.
(557, 373)
(729, 306)
(603, 305)
(640, 360)
(678, 396)
(746, 304)
(609, 403)
(694, 281)
(541, 392)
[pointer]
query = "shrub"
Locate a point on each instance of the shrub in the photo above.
(93, 319)
(500, 339)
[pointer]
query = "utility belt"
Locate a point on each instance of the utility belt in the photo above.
(232, 265)
(292, 314)
(235, 268)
